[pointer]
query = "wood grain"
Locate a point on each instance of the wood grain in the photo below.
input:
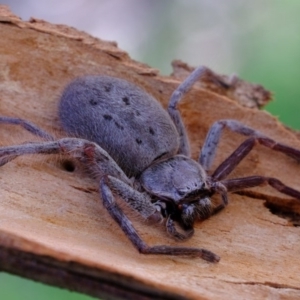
(53, 227)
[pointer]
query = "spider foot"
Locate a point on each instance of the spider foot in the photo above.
(182, 251)
(5, 159)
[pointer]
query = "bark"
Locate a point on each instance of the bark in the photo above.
(53, 225)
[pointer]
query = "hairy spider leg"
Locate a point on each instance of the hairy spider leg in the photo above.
(11, 152)
(213, 137)
(127, 227)
(32, 128)
(237, 184)
(171, 229)
(97, 160)
(177, 95)
(230, 163)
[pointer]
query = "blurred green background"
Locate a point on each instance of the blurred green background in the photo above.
(259, 40)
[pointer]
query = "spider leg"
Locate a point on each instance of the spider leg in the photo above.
(9, 153)
(210, 146)
(237, 184)
(140, 202)
(127, 227)
(32, 128)
(97, 161)
(218, 187)
(226, 167)
(177, 95)
(171, 229)
(94, 157)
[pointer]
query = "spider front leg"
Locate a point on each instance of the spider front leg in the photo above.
(140, 202)
(127, 227)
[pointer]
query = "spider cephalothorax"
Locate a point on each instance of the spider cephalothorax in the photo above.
(139, 151)
(187, 200)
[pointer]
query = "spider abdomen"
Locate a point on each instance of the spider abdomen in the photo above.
(123, 119)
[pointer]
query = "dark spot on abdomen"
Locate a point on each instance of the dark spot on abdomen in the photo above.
(107, 117)
(107, 87)
(93, 102)
(151, 130)
(139, 141)
(126, 100)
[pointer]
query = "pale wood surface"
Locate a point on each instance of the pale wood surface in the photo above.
(53, 226)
